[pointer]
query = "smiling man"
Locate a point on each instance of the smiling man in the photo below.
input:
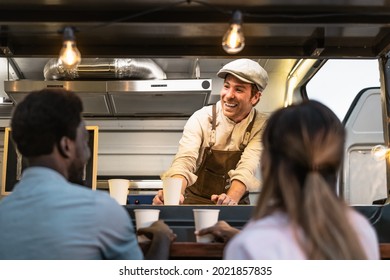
(219, 151)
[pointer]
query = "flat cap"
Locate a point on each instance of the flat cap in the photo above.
(247, 71)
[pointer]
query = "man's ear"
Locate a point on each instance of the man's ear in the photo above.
(64, 147)
(256, 98)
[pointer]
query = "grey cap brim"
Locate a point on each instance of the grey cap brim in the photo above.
(223, 72)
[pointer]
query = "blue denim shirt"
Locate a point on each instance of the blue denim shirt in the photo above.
(46, 217)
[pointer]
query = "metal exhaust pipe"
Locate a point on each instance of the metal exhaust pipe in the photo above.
(105, 68)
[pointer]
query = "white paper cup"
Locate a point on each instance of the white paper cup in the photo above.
(204, 218)
(172, 191)
(144, 218)
(119, 189)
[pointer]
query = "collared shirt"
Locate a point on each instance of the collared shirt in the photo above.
(272, 238)
(229, 136)
(46, 217)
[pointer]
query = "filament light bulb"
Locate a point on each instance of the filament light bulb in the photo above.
(234, 41)
(379, 152)
(70, 56)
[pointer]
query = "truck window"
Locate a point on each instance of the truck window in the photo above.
(338, 82)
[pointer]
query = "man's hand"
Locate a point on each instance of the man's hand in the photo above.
(232, 197)
(159, 198)
(223, 199)
(222, 231)
(162, 237)
(157, 228)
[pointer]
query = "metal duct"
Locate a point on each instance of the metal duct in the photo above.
(105, 68)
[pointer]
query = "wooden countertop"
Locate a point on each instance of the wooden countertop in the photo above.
(193, 250)
(385, 251)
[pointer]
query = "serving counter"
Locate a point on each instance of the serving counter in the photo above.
(192, 250)
(181, 218)
(214, 251)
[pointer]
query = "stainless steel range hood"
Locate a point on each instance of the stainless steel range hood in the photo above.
(131, 98)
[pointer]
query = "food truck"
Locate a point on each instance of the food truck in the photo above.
(147, 66)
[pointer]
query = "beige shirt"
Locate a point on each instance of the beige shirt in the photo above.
(229, 136)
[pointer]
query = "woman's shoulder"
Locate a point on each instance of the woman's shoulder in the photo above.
(272, 227)
(267, 238)
(366, 233)
(360, 222)
(357, 218)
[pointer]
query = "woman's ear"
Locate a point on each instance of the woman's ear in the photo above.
(64, 147)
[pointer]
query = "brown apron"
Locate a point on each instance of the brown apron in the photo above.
(212, 174)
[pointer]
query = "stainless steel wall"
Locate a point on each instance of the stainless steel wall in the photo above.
(136, 147)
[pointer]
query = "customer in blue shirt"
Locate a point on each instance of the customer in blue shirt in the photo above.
(49, 215)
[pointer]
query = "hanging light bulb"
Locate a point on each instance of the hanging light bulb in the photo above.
(379, 152)
(234, 41)
(70, 56)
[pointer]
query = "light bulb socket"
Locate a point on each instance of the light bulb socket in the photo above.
(68, 34)
(237, 17)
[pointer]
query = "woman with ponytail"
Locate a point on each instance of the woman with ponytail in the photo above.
(299, 214)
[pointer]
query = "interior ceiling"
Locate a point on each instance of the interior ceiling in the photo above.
(124, 28)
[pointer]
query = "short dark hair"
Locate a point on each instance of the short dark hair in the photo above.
(43, 118)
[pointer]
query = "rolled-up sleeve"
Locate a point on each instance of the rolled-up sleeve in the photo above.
(249, 163)
(248, 167)
(190, 147)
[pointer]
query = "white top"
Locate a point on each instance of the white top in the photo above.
(229, 136)
(271, 238)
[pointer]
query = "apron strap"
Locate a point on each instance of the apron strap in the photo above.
(248, 133)
(213, 126)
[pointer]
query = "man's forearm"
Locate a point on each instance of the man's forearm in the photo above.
(184, 182)
(236, 191)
